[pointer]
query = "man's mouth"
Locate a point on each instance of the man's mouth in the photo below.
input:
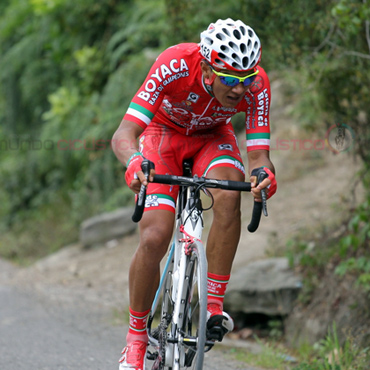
(233, 98)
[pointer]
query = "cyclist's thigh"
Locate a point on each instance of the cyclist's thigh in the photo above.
(220, 156)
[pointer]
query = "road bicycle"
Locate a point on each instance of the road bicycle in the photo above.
(177, 323)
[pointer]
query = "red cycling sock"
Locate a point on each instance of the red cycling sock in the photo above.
(216, 289)
(137, 329)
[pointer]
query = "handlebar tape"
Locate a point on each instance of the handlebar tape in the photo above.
(258, 206)
(146, 166)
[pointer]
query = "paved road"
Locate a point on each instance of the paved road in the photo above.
(40, 333)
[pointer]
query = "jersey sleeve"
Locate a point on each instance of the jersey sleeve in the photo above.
(168, 67)
(258, 113)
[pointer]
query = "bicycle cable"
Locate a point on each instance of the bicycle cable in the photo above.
(208, 194)
(194, 207)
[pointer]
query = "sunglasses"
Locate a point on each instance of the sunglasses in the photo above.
(230, 80)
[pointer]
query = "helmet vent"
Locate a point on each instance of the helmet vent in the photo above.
(208, 40)
(224, 48)
(233, 46)
(242, 30)
(220, 36)
(236, 57)
(243, 48)
(225, 30)
(245, 62)
(237, 34)
(250, 33)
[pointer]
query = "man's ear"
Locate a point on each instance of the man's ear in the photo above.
(207, 73)
(206, 70)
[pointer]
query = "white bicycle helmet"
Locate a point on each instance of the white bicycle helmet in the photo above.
(230, 44)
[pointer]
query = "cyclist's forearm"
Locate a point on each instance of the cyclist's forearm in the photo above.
(260, 158)
(124, 141)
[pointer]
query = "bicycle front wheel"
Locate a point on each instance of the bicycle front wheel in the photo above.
(193, 330)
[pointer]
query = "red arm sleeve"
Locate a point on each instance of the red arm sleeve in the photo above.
(257, 116)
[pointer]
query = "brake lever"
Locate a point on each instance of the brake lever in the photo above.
(261, 176)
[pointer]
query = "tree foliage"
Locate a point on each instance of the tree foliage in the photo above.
(68, 71)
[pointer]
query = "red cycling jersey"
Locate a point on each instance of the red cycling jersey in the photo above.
(174, 94)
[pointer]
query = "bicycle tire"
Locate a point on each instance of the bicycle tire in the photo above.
(194, 314)
(195, 311)
(166, 309)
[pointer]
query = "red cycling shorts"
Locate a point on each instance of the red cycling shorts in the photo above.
(167, 149)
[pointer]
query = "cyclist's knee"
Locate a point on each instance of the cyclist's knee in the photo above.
(155, 233)
(229, 201)
(226, 173)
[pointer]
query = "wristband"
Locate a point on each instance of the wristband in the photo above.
(133, 156)
(133, 166)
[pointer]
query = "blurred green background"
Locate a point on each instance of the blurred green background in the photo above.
(69, 69)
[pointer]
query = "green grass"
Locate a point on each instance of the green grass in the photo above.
(327, 354)
(272, 355)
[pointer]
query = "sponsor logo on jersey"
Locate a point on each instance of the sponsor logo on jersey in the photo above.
(151, 201)
(193, 97)
(225, 147)
(257, 85)
(162, 76)
(263, 108)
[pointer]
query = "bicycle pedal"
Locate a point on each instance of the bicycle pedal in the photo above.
(209, 345)
(216, 333)
(151, 356)
(218, 326)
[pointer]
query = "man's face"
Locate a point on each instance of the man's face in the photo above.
(228, 97)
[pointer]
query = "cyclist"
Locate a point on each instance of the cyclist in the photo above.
(183, 110)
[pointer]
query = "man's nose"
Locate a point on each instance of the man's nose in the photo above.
(239, 88)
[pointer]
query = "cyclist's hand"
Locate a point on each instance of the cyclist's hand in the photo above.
(269, 183)
(134, 175)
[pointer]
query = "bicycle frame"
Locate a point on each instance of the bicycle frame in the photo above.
(189, 226)
(195, 230)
